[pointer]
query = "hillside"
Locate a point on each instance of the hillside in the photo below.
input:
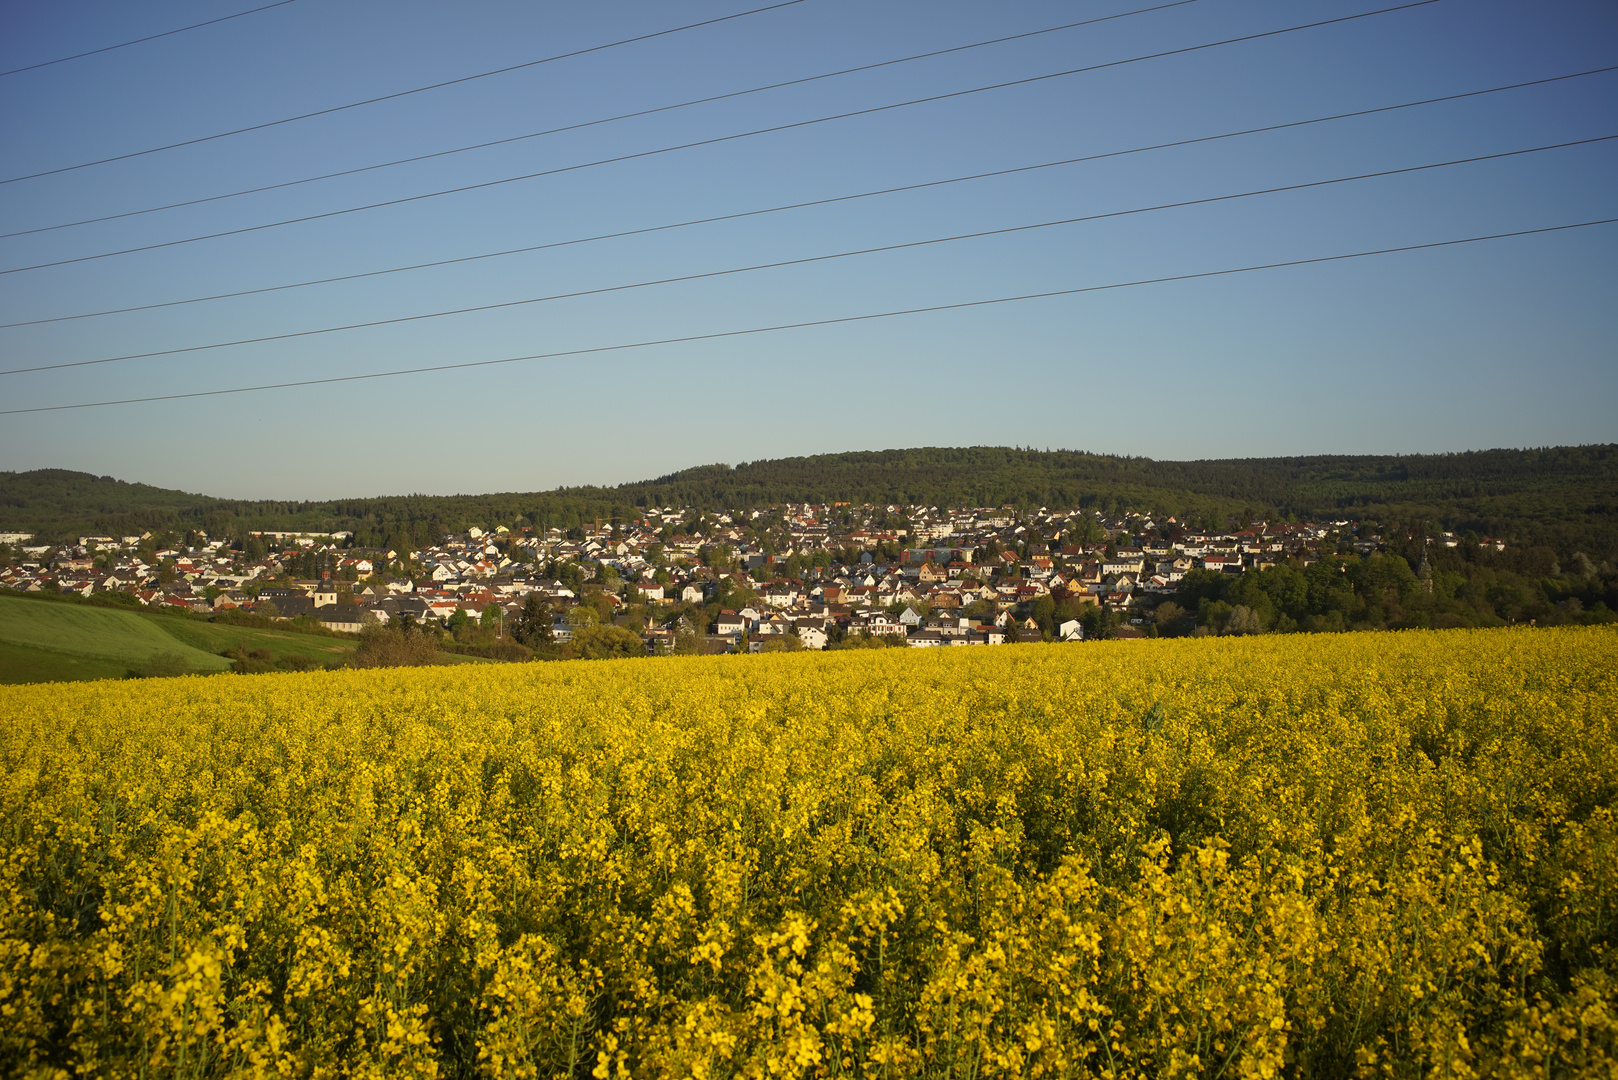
(100, 636)
(1564, 496)
(45, 641)
(1488, 488)
(58, 500)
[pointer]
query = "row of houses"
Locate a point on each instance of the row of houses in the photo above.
(815, 571)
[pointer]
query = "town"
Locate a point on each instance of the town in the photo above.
(689, 580)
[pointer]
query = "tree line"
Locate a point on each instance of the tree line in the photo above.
(1565, 498)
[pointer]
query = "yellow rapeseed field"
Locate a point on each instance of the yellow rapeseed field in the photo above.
(1353, 855)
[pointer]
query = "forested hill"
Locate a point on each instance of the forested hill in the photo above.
(1560, 484)
(1556, 495)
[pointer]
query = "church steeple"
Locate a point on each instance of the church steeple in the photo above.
(1424, 572)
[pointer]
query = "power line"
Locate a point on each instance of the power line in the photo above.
(803, 325)
(810, 203)
(149, 37)
(399, 94)
(710, 142)
(803, 261)
(592, 123)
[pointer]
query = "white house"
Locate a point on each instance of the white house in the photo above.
(812, 636)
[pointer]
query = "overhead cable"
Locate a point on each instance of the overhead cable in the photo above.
(708, 142)
(590, 123)
(397, 95)
(467, 365)
(803, 261)
(801, 205)
(137, 41)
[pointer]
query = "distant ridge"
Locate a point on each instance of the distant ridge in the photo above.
(1556, 495)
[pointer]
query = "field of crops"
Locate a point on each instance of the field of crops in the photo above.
(1377, 854)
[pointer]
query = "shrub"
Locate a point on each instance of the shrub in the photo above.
(163, 665)
(603, 641)
(510, 652)
(396, 646)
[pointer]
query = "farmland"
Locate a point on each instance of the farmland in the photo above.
(120, 637)
(42, 641)
(1360, 854)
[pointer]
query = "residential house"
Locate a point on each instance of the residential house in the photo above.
(779, 594)
(344, 618)
(812, 634)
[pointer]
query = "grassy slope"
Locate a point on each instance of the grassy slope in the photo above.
(216, 637)
(24, 664)
(88, 631)
(50, 642)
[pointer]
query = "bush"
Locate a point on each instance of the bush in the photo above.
(116, 599)
(163, 665)
(510, 652)
(396, 646)
(243, 617)
(863, 640)
(603, 642)
(1243, 620)
(245, 661)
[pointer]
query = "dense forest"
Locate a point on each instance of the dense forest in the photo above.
(1565, 498)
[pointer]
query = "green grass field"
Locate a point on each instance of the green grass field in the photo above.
(24, 664)
(217, 637)
(41, 641)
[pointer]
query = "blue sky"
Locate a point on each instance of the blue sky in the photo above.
(1510, 342)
